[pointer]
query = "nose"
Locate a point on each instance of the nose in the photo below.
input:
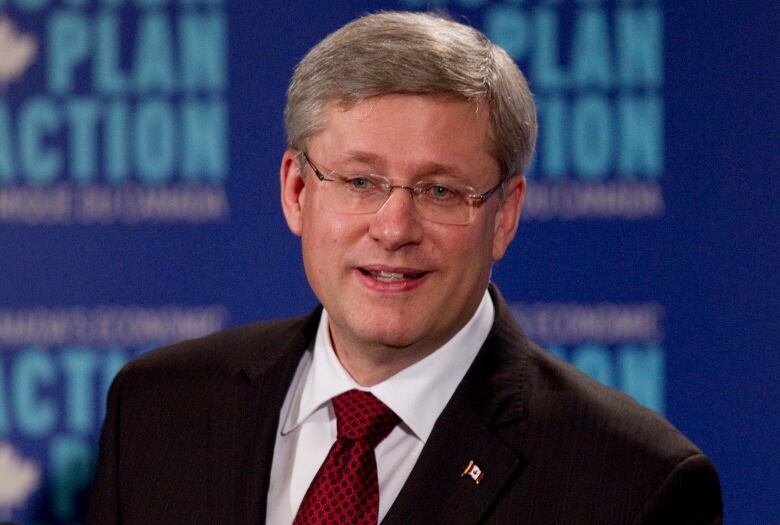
(396, 224)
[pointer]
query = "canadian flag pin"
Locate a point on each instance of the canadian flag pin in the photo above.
(473, 471)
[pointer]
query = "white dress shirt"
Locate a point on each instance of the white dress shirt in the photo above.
(417, 394)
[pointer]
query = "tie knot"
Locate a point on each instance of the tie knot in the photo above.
(360, 415)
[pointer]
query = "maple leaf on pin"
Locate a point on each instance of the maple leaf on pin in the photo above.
(17, 52)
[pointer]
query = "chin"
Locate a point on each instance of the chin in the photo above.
(390, 336)
(394, 338)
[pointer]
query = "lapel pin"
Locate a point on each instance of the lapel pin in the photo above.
(473, 471)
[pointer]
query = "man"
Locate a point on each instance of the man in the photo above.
(408, 139)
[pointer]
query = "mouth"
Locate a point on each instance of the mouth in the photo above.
(391, 276)
(404, 277)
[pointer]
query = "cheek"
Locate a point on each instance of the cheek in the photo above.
(341, 227)
(328, 235)
(481, 250)
(467, 250)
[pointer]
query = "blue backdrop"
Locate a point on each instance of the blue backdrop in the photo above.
(139, 150)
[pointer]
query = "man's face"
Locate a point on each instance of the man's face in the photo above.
(446, 268)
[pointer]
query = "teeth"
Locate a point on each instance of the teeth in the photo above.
(388, 276)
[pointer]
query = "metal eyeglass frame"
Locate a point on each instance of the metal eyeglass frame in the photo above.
(473, 200)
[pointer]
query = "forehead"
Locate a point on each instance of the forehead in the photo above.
(408, 131)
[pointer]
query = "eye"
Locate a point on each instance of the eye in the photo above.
(358, 183)
(361, 183)
(440, 192)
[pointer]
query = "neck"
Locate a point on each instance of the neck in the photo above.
(370, 362)
(369, 367)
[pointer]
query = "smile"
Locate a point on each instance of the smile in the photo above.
(386, 279)
(386, 276)
(395, 276)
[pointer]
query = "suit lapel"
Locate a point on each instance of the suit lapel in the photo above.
(244, 417)
(488, 400)
(243, 420)
(437, 491)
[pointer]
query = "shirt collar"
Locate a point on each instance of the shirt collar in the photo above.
(417, 394)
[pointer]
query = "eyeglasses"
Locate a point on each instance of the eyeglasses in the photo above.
(444, 203)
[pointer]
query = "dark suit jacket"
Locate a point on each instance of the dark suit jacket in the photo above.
(189, 436)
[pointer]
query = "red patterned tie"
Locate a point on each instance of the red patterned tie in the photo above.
(345, 489)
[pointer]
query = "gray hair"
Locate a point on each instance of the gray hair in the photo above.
(415, 53)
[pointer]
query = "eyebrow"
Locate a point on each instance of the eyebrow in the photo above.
(377, 162)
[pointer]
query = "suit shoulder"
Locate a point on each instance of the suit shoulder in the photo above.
(603, 445)
(560, 392)
(250, 346)
(591, 454)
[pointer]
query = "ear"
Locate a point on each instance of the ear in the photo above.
(293, 193)
(508, 215)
